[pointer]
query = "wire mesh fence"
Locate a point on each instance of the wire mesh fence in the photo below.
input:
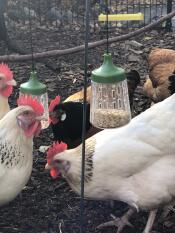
(70, 14)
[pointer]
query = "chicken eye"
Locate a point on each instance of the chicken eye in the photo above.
(26, 113)
(61, 114)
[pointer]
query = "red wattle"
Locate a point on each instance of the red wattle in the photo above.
(53, 120)
(7, 91)
(34, 129)
(54, 172)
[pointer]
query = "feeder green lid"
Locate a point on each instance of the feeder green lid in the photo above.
(108, 72)
(33, 86)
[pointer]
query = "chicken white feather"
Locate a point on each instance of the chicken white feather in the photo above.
(134, 164)
(15, 155)
(4, 106)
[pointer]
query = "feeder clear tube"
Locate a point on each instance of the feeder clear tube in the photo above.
(42, 99)
(109, 105)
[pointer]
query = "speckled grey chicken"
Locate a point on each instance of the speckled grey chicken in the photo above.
(134, 164)
(17, 129)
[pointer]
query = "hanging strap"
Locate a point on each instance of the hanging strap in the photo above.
(84, 117)
(31, 38)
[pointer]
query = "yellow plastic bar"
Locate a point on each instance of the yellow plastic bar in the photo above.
(121, 17)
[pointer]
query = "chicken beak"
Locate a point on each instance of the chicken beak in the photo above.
(41, 118)
(11, 82)
(47, 166)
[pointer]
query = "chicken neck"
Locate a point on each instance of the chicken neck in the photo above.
(4, 106)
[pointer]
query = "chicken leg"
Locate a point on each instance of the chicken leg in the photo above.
(149, 224)
(120, 223)
(152, 216)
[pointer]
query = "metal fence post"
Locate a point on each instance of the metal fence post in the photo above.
(168, 25)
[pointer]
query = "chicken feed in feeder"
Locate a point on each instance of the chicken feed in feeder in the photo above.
(109, 101)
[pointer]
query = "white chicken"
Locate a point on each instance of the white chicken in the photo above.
(17, 129)
(6, 87)
(134, 164)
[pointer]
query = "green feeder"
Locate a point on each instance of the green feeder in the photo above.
(110, 106)
(37, 90)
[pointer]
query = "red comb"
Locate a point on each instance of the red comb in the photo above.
(54, 149)
(53, 103)
(4, 69)
(32, 102)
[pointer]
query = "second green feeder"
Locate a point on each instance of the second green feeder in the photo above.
(110, 106)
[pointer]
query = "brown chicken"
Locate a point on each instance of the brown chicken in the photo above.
(161, 81)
